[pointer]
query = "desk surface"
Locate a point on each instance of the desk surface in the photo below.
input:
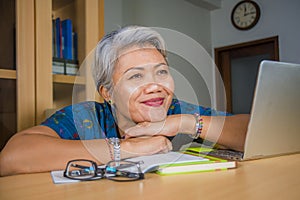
(271, 178)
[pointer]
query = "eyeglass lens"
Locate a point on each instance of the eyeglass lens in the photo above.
(123, 171)
(82, 170)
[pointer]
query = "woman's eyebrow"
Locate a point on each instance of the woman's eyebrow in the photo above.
(143, 68)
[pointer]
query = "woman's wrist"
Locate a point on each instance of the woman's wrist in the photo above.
(187, 124)
(191, 124)
(198, 125)
(114, 148)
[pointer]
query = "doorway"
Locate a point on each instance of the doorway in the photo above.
(238, 65)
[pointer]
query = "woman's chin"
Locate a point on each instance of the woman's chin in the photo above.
(156, 115)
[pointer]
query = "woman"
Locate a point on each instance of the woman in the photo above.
(133, 77)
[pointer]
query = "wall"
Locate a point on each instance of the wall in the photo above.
(181, 17)
(211, 29)
(178, 15)
(113, 14)
(278, 17)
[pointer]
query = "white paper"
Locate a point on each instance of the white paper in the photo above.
(58, 177)
(152, 162)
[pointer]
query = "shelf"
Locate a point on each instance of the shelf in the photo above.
(67, 79)
(57, 4)
(8, 74)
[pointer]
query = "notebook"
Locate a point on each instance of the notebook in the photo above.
(152, 163)
(274, 127)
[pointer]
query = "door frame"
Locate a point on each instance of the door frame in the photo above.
(223, 56)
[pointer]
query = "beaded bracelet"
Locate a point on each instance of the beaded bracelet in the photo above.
(198, 127)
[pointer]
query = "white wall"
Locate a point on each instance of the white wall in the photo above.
(177, 15)
(278, 17)
(113, 15)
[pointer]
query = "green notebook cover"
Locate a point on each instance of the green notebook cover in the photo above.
(212, 164)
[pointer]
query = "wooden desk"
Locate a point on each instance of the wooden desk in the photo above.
(272, 178)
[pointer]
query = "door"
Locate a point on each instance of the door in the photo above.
(238, 65)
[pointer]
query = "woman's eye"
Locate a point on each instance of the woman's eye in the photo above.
(162, 72)
(136, 76)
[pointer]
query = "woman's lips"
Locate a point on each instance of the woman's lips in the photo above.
(155, 102)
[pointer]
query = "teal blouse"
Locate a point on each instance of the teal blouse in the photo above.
(92, 120)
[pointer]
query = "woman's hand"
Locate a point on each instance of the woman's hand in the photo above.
(145, 146)
(173, 124)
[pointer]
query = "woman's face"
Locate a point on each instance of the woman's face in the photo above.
(143, 86)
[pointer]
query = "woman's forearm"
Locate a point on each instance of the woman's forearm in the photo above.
(40, 149)
(229, 131)
(29, 153)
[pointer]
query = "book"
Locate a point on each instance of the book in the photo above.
(64, 66)
(168, 163)
(67, 39)
(58, 66)
(154, 162)
(210, 164)
(54, 54)
(58, 38)
(75, 46)
(71, 67)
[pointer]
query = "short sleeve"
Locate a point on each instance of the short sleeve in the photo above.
(83, 121)
(182, 107)
(62, 123)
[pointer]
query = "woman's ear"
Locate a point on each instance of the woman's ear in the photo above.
(104, 93)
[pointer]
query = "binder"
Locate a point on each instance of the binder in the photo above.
(67, 38)
(58, 37)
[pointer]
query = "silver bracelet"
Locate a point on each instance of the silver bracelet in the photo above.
(116, 147)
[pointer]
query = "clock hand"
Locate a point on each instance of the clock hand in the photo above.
(249, 13)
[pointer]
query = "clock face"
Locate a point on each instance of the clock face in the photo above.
(245, 15)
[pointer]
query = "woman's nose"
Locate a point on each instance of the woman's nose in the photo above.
(152, 87)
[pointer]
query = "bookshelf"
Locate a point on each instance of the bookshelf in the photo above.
(17, 82)
(31, 87)
(87, 21)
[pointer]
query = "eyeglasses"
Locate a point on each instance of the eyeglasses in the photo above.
(86, 170)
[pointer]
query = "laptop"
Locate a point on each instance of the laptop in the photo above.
(274, 127)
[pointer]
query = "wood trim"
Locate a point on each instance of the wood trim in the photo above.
(44, 86)
(223, 55)
(92, 22)
(101, 18)
(249, 43)
(101, 34)
(226, 73)
(25, 59)
(57, 78)
(8, 74)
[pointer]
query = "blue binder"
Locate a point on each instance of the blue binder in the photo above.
(58, 38)
(67, 38)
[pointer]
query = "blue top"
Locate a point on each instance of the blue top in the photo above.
(92, 120)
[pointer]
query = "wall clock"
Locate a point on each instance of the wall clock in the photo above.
(245, 15)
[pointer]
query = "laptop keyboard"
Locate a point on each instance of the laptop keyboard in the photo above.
(227, 154)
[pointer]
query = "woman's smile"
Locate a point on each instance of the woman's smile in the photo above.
(154, 102)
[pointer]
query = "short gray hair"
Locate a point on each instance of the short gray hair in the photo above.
(111, 45)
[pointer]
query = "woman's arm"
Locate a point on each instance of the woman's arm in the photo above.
(40, 149)
(228, 131)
